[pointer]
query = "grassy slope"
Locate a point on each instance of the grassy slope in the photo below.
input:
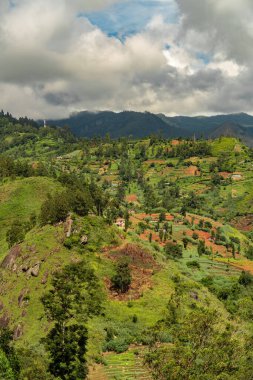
(45, 246)
(20, 198)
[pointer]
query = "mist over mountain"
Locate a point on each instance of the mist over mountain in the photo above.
(139, 125)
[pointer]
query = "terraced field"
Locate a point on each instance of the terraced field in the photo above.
(125, 366)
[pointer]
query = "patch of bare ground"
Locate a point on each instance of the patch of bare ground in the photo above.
(192, 171)
(97, 372)
(243, 223)
(159, 162)
(142, 266)
(131, 198)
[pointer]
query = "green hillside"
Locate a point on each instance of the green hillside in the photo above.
(20, 199)
(133, 256)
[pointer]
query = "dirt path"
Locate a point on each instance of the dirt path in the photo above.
(97, 372)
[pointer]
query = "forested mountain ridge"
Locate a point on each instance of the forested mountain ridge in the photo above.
(124, 257)
(138, 125)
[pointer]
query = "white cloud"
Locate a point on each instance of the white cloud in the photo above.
(53, 62)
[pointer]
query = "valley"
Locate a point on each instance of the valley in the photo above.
(151, 242)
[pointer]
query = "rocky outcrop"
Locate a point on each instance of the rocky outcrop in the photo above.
(4, 320)
(34, 270)
(194, 295)
(18, 331)
(84, 240)
(31, 269)
(45, 277)
(9, 261)
(23, 297)
(68, 226)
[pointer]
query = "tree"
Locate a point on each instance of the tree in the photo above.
(68, 363)
(165, 236)
(121, 281)
(161, 235)
(249, 253)
(76, 295)
(173, 250)
(6, 372)
(201, 348)
(245, 278)
(201, 248)
(15, 234)
(7, 347)
(80, 201)
(162, 217)
(185, 242)
(33, 363)
(55, 208)
(233, 250)
(127, 220)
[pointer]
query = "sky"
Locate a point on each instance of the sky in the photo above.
(190, 57)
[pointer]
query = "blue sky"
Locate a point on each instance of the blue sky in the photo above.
(131, 16)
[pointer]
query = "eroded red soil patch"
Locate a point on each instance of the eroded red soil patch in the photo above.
(197, 219)
(209, 242)
(142, 265)
(155, 236)
(225, 175)
(192, 171)
(131, 198)
(175, 142)
(236, 176)
(243, 223)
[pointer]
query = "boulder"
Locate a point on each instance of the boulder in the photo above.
(18, 331)
(9, 261)
(4, 320)
(194, 295)
(84, 239)
(44, 278)
(34, 270)
(22, 296)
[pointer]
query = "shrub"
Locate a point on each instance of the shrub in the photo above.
(122, 279)
(245, 278)
(249, 253)
(201, 248)
(193, 264)
(207, 281)
(173, 250)
(15, 234)
(117, 345)
(5, 368)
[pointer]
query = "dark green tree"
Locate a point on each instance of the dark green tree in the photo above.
(15, 234)
(6, 372)
(173, 250)
(76, 295)
(34, 363)
(7, 347)
(55, 208)
(185, 242)
(245, 278)
(201, 248)
(121, 281)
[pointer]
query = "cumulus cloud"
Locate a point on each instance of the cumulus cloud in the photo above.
(54, 60)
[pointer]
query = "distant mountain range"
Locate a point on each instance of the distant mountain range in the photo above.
(139, 124)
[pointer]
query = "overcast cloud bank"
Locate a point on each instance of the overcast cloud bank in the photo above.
(57, 58)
